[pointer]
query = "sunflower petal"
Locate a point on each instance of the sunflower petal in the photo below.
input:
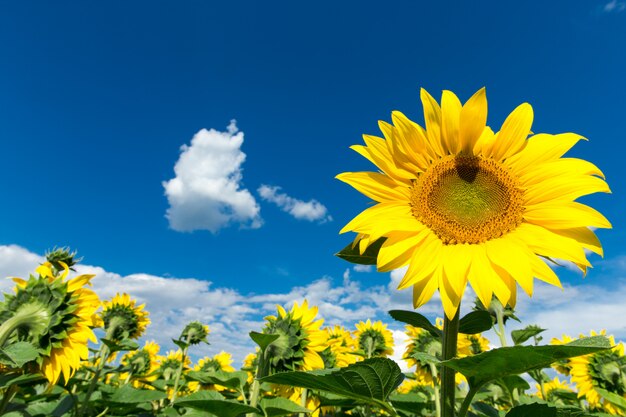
(515, 130)
(473, 121)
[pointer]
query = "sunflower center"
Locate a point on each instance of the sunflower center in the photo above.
(467, 199)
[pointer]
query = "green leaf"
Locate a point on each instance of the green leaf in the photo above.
(234, 380)
(370, 381)
(475, 322)
(281, 407)
(11, 379)
(522, 335)
(120, 345)
(129, 395)
(498, 363)
(486, 409)
(262, 339)
(352, 254)
(613, 398)
(515, 382)
(213, 402)
(415, 320)
(19, 353)
(409, 402)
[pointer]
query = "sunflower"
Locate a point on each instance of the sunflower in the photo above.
(605, 369)
(300, 339)
(250, 363)
(55, 315)
(421, 341)
(374, 339)
(220, 362)
(122, 318)
(551, 389)
(458, 202)
(341, 345)
(141, 364)
(169, 364)
(471, 344)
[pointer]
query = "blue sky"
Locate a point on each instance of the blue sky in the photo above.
(96, 101)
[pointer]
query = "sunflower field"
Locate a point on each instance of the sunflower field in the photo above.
(455, 203)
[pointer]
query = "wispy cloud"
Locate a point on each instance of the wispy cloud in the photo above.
(614, 6)
(311, 210)
(207, 191)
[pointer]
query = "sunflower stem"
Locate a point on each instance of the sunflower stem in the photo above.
(448, 385)
(467, 401)
(179, 372)
(8, 396)
(101, 358)
(303, 401)
(435, 374)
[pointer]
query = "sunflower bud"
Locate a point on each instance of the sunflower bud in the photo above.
(59, 256)
(195, 332)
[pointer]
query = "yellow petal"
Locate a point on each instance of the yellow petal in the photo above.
(456, 260)
(542, 148)
(389, 216)
(432, 118)
(564, 188)
(398, 250)
(550, 244)
(512, 136)
(565, 216)
(450, 116)
(473, 120)
(423, 263)
(513, 257)
(378, 187)
(424, 290)
(476, 276)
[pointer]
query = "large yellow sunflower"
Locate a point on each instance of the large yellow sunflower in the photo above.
(458, 202)
(55, 315)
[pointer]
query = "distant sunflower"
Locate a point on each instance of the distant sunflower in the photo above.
(220, 362)
(300, 339)
(471, 344)
(374, 339)
(141, 363)
(341, 346)
(123, 318)
(250, 363)
(552, 388)
(55, 315)
(421, 341)
(605, 369)
(458, 202)
(562, 365)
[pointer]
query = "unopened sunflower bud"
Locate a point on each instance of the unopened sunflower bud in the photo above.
(59, 256)
(195, 332)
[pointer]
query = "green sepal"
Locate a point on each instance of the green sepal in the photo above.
(351, 253)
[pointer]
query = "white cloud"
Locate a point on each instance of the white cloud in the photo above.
(363, 268)
(207, 193)
(614, 6)
(311, 210)
(231, 315)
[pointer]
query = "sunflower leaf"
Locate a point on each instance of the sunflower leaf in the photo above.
(522, 335)
(262, 339)
(475, 322)
(370, 381)
(17, 354)
(213, 402)
(416, 320)
(497, 363)
(615, 399)
(274, 407)
(545, 410)
(351, 253)
(234, 380)
(129, 395)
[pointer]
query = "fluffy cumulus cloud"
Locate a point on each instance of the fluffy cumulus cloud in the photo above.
(173, 302)
(311, 210)
(207, 191)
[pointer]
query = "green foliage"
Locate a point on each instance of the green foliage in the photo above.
(18, 354)
(474, 322)
(370, 381)
(522, 335)
(497, 363)
(274, 407)
(213, 402)
(416, 320)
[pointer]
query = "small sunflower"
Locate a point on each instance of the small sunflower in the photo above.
(169, 364)
(341, 346)
(250, 363)
(412, 384)
(55, 315)
(604, 369)
(141, 363)
(563, 365)
(122, 318)
(457, 202)
(471, 344)
(551, 388)
(300, 339)
(220, 362)
(374, 339)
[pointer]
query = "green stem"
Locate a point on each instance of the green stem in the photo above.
(179, 372)
(103, 356)
(448, 385)
(254, 395)
(500, 332)
(467, 401)
(8, 396)
(433, 371)
(303, 400)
